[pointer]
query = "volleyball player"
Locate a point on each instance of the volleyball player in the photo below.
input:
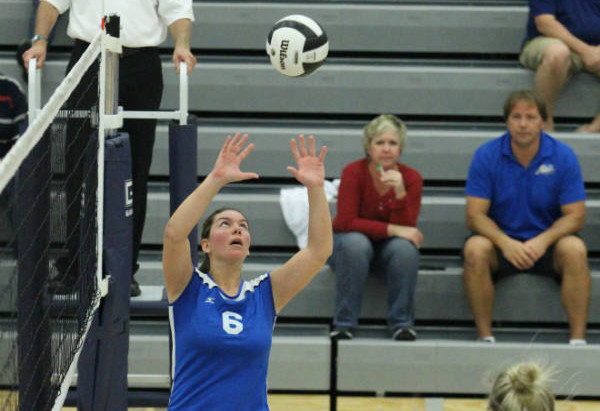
(222, 325)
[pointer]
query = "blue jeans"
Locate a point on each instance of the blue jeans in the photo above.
(354, 256)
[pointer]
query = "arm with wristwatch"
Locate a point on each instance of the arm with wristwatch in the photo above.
(45, 20)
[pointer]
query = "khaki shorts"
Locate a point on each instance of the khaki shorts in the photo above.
(533, 52)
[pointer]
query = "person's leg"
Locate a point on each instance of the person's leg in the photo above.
(570, 260)
(551, 60)
(591, 127)
(140, 88)
(351, 260)
(399, 259)
(594, 125)
(480, 260)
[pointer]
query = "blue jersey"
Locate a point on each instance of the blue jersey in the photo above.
(580, 17)
(525, 201)
(221, 345)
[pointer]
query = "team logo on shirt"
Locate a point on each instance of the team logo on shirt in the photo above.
(210, 300)
(545, 169)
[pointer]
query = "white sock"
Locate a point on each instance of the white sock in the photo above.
(577, 341)
(489, 339)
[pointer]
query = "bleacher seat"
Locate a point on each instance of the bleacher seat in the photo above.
(351, 88)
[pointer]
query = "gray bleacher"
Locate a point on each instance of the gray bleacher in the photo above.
(424, 85)
(445, 65)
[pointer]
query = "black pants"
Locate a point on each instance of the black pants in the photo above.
(140, 89)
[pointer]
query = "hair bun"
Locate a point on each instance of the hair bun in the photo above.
(524, 378)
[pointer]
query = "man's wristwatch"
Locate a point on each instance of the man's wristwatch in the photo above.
(38, 37)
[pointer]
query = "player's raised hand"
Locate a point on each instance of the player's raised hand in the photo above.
(310, 169)
(231, 156)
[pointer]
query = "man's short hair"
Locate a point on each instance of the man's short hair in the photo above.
(528, 96)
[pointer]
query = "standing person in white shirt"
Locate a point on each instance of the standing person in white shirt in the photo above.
(143, 28)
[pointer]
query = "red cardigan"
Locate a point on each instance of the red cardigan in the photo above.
(360, 208)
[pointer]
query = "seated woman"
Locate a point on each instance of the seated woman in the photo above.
(375, 230)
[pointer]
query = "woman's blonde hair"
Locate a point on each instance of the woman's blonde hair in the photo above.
(524, 386)
(381, 124)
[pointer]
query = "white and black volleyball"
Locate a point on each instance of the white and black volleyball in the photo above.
(297, 45)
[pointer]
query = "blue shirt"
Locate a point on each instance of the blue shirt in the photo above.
(221, 345)
(580, 17)
(525, 201)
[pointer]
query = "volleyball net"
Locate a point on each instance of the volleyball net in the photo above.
(50, 239)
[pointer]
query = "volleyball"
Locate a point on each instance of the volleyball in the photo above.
(297, 45)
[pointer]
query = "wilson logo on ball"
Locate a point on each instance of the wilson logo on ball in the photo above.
(297, 45)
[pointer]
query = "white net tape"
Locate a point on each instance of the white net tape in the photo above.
(36, 130)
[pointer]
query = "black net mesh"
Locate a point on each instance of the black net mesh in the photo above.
(48, 253)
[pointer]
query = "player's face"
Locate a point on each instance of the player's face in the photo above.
(229, 235)
(384, 149)
(525, 124)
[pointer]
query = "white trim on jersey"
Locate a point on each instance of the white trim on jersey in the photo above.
(172, 327)
(247, 286)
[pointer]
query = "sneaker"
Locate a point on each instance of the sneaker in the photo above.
(405, 334)
(341, 334)
(22, 48)
(134, 289)
(489, 339)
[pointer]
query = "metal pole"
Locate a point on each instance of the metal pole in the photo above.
(183, 94)
(112, 71)
(33, 91)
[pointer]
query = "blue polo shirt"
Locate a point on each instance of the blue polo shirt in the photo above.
(525, 201)
(580, 17)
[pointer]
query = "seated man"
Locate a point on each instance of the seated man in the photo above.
(562, 39)
(525, 205)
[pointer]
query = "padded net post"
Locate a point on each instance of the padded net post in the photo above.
(183, 169)
(102, 377)
(102, 368)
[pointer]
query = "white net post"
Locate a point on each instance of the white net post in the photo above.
(34, 91)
